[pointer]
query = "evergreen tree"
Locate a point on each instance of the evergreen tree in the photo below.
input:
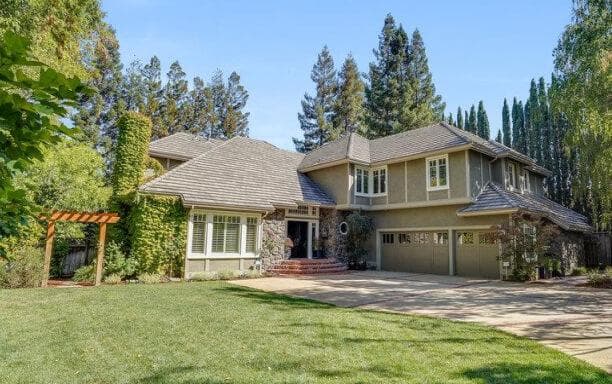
(533, 121)
(450, 119)
(471, 125)
(234, 120)
(175, 100)
(199, 122)
(465, 120)
(498, 138)
(349, 107)
(506, 124)
(386, 92)
(133, 91)
(482, 122)
(424, 106)
(97, 113)
(217, 93)
(459, 118)
(546, 138)
(316, 119)
(151, 74)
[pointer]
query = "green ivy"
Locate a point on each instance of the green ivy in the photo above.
(131, 153)
(158, 234)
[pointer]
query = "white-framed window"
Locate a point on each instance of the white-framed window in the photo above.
(198, 233)
(437, 172)
(441, 238)
(526, 181)
(303, 211)
(223, 234)
(370, 182)
(511, 180)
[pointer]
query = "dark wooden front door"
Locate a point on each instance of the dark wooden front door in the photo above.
(297, 231)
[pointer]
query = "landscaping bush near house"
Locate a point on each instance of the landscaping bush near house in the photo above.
(113, 279)
(86, 273)
(600, 279)
(360, 228)
(152, 278)
(579, 271)
(115, 262)
(24, 268)
(226, 275)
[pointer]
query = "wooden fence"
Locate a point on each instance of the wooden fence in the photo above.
(597, 249)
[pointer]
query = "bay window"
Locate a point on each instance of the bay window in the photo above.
(437, 173)
(219, 234)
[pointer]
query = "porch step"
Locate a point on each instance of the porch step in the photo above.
(308, 267)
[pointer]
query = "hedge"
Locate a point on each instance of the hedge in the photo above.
(158, 234)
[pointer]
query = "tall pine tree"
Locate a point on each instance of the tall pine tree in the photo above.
(506, 124)
(151, 74)
(498, 138)
(316, 118)
(459, 118)
(471, 125)
(533, 123)
(482, 122)
(349, 107)
(235, 121)
(175, 100)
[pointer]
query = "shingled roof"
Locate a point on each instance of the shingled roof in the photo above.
(435, 137)
(241, 173)
(182, 146)
(495, 198)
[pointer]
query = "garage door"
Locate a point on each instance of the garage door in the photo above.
(477, 254)
(417, 252)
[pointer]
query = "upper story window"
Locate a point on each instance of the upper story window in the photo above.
(511, 179)
(526, 181)
(437, 172)
(370, 182)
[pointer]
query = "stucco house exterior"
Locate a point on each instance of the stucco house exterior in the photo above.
(434, 195)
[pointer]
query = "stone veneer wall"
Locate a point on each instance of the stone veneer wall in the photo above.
(274, 231)
(333, 242)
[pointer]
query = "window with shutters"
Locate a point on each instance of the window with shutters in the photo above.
(226, 234)
(198, 234)
(251, 235)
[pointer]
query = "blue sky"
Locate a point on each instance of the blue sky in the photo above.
(477, 49)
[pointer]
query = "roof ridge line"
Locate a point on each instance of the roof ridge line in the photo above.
(500, 193)
(451, 130)
(163, 177)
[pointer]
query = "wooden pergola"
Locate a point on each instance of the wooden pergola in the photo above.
(102, 219)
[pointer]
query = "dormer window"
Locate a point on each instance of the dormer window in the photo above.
(526, 181)
(376, 178)
(511, 180)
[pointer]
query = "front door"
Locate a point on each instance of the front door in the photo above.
(297, 231)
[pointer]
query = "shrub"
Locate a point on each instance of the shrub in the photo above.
(360, 228)
(579, 271)
(115, 262)
(151, 278)
(600, 279)
(252, 274)
(113, 279)
(86, 273)
(228, 274)
(203, 276)
(23, 270)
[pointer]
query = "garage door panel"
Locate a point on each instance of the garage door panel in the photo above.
(440, 260)
(414, 252)
(477, 254)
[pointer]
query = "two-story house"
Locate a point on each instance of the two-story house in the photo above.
(434, 195)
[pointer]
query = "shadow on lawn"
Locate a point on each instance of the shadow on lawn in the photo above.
(506, 373)
(274, 299)
(177, 375)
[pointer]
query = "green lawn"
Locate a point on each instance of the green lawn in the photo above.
(218, 333)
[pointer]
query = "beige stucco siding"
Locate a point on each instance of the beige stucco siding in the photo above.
(438, 195)
(497, 172)
(396, 183)
(417, 190)
(457, 174)
(481, 171)
(441, 217)
(334, 180)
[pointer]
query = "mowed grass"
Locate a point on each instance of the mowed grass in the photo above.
(215, 332)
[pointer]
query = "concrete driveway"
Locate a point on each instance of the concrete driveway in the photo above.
(577, 321)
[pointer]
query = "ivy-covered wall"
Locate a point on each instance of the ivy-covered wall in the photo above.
(158, 234)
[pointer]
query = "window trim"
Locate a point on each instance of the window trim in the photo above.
(370, 181)
(427, 173)
(526, 181)
(511, 184)
(208, 253)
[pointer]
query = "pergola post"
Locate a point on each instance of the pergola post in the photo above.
(48, 252)
(100, 263)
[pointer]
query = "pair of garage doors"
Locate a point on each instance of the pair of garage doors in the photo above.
(476, 253)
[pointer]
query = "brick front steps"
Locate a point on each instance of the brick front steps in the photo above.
(307, 267)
